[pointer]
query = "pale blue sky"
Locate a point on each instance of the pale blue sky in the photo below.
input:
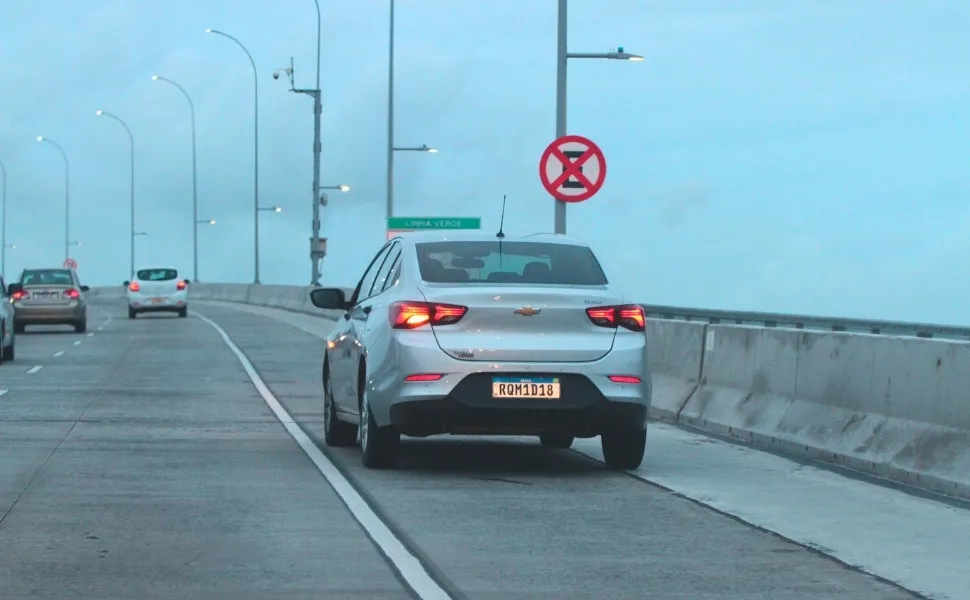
(800, 156)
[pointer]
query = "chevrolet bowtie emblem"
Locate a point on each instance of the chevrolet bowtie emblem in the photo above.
(528, 311)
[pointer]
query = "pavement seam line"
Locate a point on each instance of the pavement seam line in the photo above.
(43, 465)
(407, 564)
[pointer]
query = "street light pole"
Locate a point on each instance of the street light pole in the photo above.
(389, 208)
(255, 151)
(3, 227)
(562, 56)
(67, 195)
(195, 195)
(131, 145)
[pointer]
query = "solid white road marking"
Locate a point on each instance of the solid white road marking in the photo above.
(2, 392)
(406, 563)
(33, 370)
(60, 353)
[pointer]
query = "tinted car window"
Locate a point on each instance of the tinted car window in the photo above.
(508, 262)
(367, 281)
(389, 262)
(46, 277)
(157, 274)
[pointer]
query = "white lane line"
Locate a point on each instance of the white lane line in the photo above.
(77, 343)
(2, 392)
(34, 369)
(59, 353)
(406, 563)
(91, 334)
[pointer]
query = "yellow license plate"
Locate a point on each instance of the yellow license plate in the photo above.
(540, 388)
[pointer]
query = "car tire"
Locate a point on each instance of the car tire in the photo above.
(336, 433)
(3, 349)
(183, 312)
(556, 440)
(81, 326)
(19, 327)
(378, 445)
(623, 447)
(131, 313)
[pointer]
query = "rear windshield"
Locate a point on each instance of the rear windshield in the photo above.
(508, 262)
(46, 277)
(157, 274)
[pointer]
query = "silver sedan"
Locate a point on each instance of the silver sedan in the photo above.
(475, 334)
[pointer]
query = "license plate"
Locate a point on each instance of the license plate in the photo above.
(158, 300)
(525, 387)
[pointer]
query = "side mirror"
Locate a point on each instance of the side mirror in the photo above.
(13, 288)
(126, 283)
(85, 288)
(329, 298)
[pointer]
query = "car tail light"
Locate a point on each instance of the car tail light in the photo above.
(625, 379)
(424, 377)
(411, 315)
(628, 316)
(180, 285)
(18, 295)
(72, 294)
(133, 286)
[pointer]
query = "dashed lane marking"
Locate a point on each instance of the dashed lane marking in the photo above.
(406, 563)
(2, 392)
(77, 343)
(58, 353)
(34, 369)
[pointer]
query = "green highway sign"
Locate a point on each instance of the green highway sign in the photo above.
(429, 223)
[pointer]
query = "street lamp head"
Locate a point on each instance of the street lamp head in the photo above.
(212, 221)
(432, 150)
(343, 188)
(208, 30)
(154, 77)
(99, 112)
(40, 138)
(277, 209)
(621, 54)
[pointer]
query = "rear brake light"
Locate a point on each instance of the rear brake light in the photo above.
(628, 316)
(423, 377)
(18, 295)
(72, 294)
(180, 285)
(625, 379)
(411, 315)
(134, 287)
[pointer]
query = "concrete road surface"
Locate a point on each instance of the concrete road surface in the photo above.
(143, 462)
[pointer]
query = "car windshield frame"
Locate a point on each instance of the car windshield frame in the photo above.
(558, 263)
(46, 274)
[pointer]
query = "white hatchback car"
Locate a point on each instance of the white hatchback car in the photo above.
(157, 290)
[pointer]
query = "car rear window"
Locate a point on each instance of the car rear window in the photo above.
(157, 274)
(46, 277)
(508, 262)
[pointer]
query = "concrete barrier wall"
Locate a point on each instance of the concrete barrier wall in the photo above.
(893, 407)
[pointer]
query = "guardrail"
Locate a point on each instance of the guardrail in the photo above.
(728, 317)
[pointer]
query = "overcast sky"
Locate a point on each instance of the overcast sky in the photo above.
(802, 156)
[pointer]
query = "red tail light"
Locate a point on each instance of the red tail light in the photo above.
(411, 315)
(72, 294)
(18, 295)
(180, 285)
(133, 286)
(423, 377)
(628, 316)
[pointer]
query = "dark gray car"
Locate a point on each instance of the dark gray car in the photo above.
(49, 297)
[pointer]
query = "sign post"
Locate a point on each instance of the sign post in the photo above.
(396, 225)
(572, 169)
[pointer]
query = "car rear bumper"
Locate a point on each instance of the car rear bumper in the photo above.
(51, 315)
(162, 303)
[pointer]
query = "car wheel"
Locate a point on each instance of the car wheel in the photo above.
(336, 433)
(131, 313)
(556, 440)
(81, 326)
(623, 447)
(8, 351)
(378, 445)
(3, 338)
(19, 328)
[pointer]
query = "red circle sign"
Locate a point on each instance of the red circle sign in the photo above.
(70, 263)
(572, 168)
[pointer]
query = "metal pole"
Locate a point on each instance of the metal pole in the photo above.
(561, 57)
(3, 227)
(390, 119)
(131, 142)
(317, 115)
